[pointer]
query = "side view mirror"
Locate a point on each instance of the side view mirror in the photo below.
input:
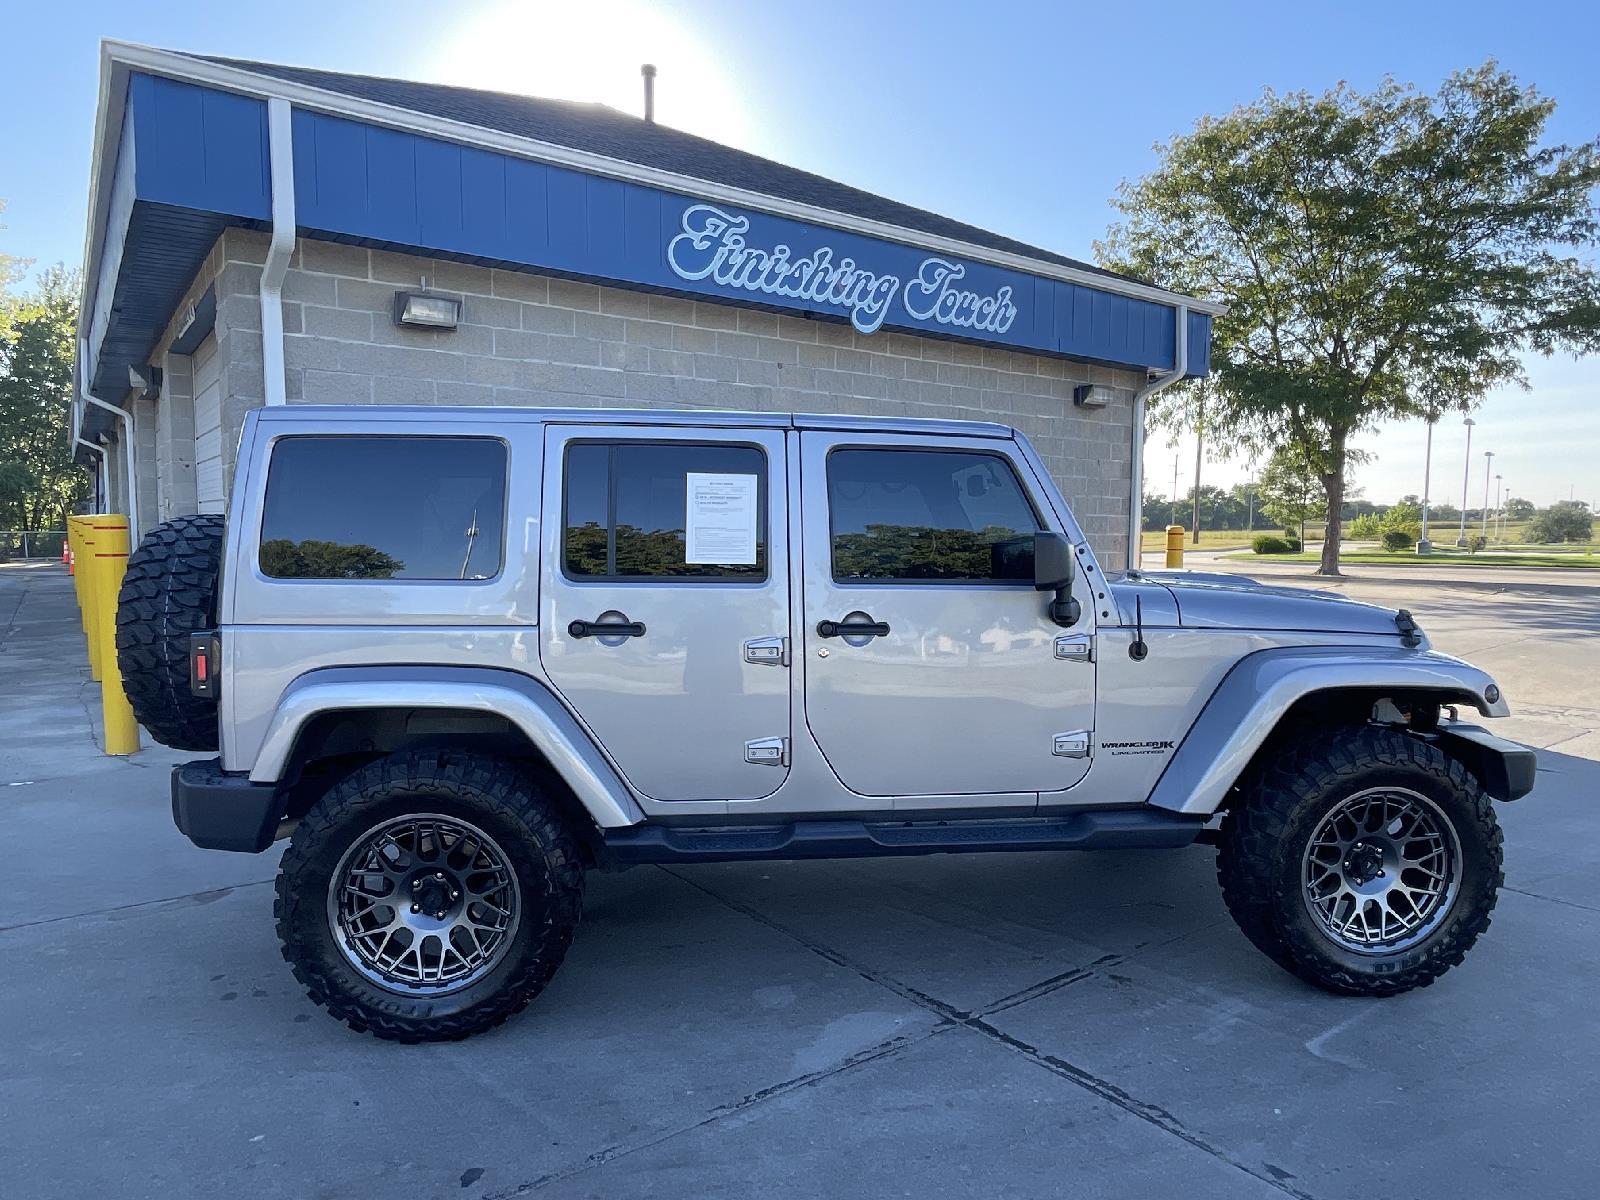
(1052, 572)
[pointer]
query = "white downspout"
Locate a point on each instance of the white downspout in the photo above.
(125, 437)
(1180, 363)
(101, 480)
(280, 144)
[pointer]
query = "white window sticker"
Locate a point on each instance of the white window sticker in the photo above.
(720, 526)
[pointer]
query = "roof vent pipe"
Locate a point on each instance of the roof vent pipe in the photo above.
(648, 70)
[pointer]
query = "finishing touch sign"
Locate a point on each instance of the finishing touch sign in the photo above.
(713, 247)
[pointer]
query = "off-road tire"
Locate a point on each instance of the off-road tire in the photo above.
(497, 797)
(169, 592)
(1264, 836)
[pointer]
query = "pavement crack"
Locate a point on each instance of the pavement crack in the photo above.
(1548, 899)
(1152, 1114)
(608, 1154)
(204, 895)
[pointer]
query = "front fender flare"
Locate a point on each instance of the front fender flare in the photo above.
(531, 708)
(1261, 688)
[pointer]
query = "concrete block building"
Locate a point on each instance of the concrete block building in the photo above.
(263, 234)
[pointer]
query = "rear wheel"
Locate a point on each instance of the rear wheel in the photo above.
(1363, 860)
(429, 896)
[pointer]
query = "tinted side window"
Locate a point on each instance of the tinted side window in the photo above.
(652, 510)
(384, 508)
(928, 515)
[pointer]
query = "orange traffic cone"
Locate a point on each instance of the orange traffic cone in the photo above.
(66, 557)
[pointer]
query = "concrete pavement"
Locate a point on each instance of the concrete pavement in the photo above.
(990, 1026)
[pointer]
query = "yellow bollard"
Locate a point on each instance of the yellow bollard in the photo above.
(86, 578)
(75, 547)
(110, 564)
(1174, 546)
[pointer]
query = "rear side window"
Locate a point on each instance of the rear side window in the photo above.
(664, 510)
(928, 516)
(384, 508)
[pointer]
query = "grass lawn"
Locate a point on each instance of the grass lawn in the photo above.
(1210, 539)
(1409, 558)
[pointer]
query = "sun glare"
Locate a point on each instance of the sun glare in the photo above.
(592, 51)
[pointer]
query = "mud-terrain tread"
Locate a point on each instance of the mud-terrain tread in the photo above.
(489, 785)
(1254, 837)
(169, 592)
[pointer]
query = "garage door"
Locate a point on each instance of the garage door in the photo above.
(209, 490)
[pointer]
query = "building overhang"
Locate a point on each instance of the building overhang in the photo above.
(181, 153)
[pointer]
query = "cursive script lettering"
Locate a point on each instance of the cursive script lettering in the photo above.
(713, 245)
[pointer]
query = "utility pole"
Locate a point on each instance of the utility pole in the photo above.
(1424, 546)
(1466, 474)
(1199, 444)
(1249, 508)
(1488, 464)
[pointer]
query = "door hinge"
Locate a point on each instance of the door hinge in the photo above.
(767, 752)
(767, 651)
(1075, 647)
(1072, 745)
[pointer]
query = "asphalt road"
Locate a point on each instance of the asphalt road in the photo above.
(989, 1026)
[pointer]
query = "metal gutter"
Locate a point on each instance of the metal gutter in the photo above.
(279, 250)
(1180, 362)
(235, 79)
(125, 437)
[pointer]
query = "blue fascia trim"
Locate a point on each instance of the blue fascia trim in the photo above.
(203, 163)
(359, 182)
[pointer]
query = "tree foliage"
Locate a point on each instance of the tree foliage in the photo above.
(1384, 254)
(314, 559)
(1290, 492)
(1568, 521)
(39, 483)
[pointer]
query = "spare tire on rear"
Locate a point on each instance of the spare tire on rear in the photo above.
(169, 592)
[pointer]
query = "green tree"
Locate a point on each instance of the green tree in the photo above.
(1518, 509)
(39, 482)
(1290, 492)
(1568, 521)
(1374, 248)
(313, 559)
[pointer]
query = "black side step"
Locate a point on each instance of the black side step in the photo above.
(1117, 829)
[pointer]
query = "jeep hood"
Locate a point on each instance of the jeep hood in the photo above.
(1236, 602)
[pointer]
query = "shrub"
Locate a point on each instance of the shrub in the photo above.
(1567, 521)
(1294, 543)
(1476, 543)
(1368, 527)
(1398, 539)
(1269, 543)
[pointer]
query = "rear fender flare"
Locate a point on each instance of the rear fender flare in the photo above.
(533, 709)
(1261, 689)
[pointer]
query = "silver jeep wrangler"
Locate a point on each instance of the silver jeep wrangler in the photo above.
(459, 657)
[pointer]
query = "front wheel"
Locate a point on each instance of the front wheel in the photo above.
(1363, 860)
(429, 896)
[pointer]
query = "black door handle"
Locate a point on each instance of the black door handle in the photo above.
(830, 629)
(623, 629)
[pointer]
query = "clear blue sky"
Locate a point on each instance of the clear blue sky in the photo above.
(1020, 117)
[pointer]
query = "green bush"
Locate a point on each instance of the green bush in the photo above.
(1294, 543)
(1368, 527)
(1269, 543)
(1398, 539)
(1476, 543)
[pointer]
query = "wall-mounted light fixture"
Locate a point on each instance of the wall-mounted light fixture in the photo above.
(426, 311)
(1093, 395)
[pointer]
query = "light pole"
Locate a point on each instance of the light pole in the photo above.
(1503, 504)
(1466, 473)
(1498, 507)
(1424, 546)
(1488, 464)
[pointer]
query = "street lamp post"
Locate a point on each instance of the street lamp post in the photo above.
(1505, 501)
(1498, 507)
(1466, 474)
(1424, 546)
(1488, 464)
